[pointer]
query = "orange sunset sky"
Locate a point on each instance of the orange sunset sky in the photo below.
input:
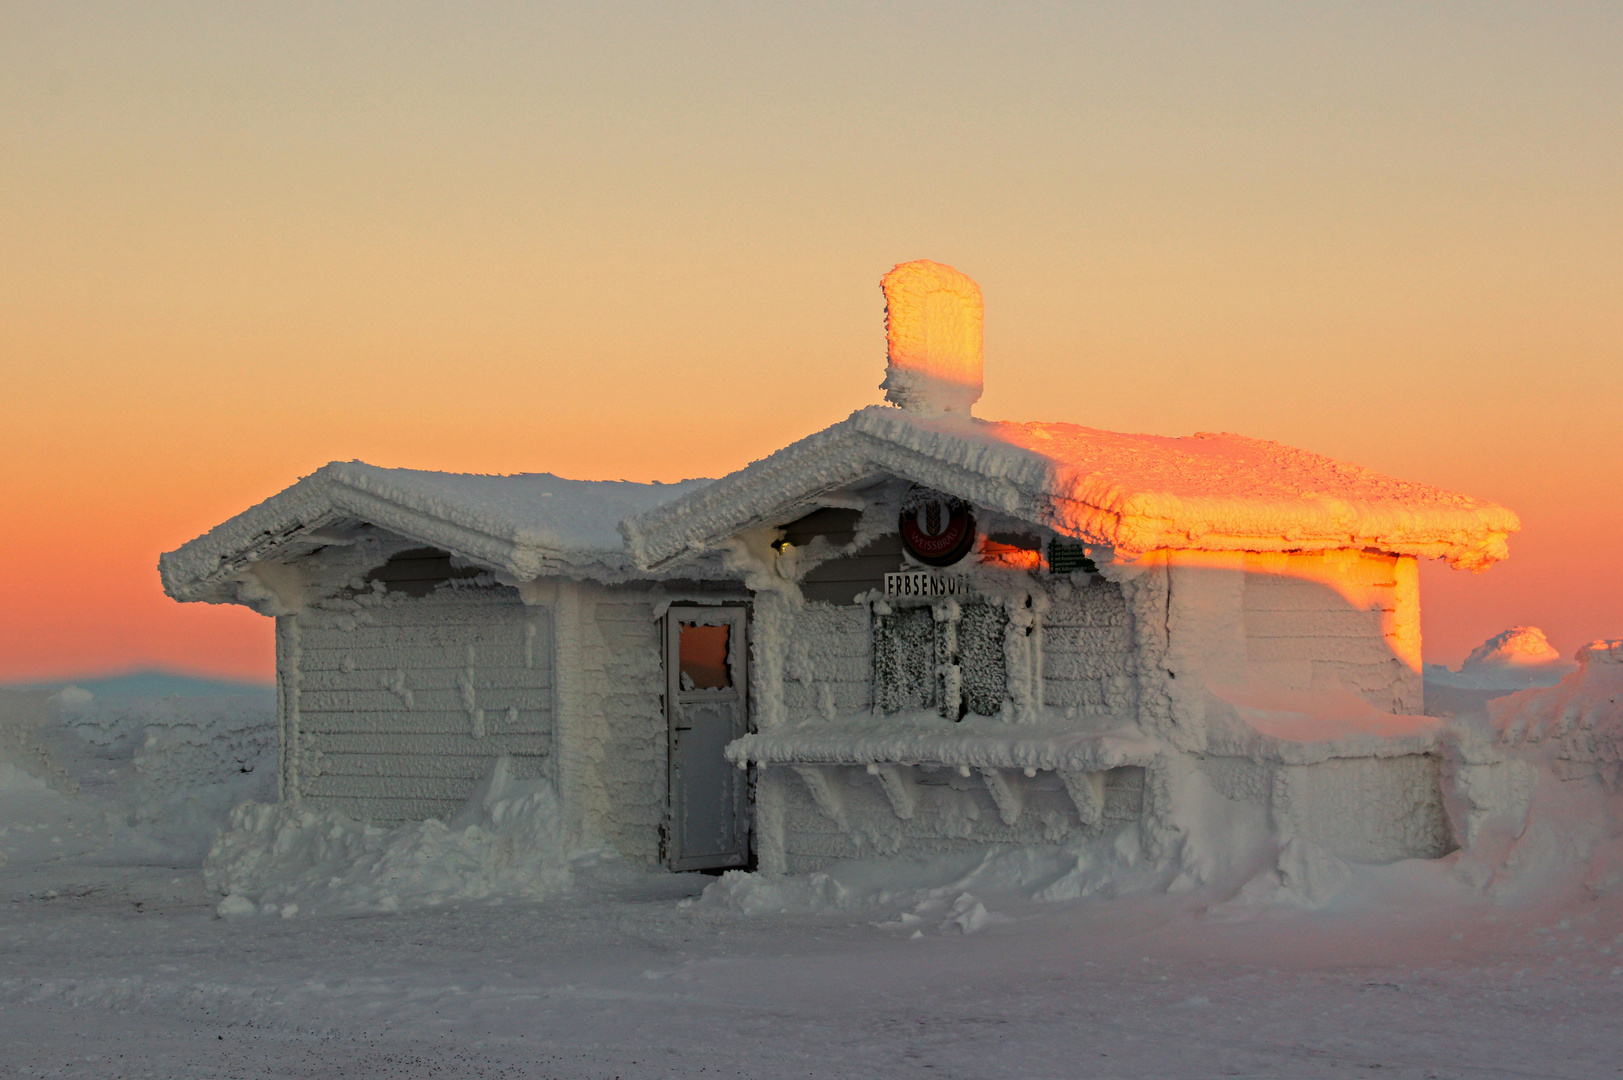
(644, 241)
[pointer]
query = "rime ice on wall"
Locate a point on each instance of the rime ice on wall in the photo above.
(1148, 646)
(1367, 809)
(1088, 651)
(811, 815)
(399, 705)
(829, 671)
(905, 661)
(621, 657)
(1145, 592)
(1338, 619)
(1323, 620)
(983, 663)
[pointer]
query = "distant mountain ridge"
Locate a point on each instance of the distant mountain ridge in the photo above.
(151, 684)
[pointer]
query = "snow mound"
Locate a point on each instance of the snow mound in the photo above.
(170, 768)
(25, 720)
(40, 824)
(1536, 784)
(1579, 720)
(508, 842)
(1518, 647)
(947, 892)
(129, 780)
(1510, 660)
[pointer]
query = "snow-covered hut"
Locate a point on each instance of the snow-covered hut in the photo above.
(911, 632)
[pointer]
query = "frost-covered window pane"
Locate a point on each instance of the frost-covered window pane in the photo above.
(904, 663)
(703, 652)
(918, 658)
(981, 663)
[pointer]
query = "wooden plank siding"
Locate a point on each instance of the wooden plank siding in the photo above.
(1088, 651)
(403, 706)
(839, 581)
(1314, 621)
(419, 572)
(634, 728)
(830, 669)
(414, 722)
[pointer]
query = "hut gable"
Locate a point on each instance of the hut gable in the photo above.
(520, 526)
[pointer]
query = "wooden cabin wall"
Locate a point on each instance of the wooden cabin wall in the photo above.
(395, 710)
(839, 581)
(952, 814)
(1336, 618)
(1087, 651)
(612, 729)
(829, 669)
(1086, 646)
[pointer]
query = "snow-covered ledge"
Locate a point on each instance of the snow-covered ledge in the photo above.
(1095, 744)
(1304, 727)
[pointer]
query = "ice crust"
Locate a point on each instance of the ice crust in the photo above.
(1132, 493)
(517, 524)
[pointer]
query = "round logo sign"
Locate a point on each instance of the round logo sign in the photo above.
(937, 530)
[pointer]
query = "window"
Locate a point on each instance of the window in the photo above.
(984, 671)
(948, 657)
(904, 658)
(703, 657)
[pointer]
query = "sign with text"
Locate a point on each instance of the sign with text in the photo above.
(922, 583)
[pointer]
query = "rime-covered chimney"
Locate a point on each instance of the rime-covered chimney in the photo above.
(933, 319)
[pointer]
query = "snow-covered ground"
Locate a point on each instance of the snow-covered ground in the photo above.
(492, 947)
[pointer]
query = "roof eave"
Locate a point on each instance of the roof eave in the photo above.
(207, 568)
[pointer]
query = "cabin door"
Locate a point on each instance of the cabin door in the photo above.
(706, 707)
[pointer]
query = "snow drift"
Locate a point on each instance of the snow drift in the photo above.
(947, 893)
(129, 779)
(1531, 783)
(509, 842)
(179, 763)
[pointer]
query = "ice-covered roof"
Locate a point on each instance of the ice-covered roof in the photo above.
(522, 524)
(1134, 493)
